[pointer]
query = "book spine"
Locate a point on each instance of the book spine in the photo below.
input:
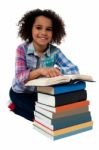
(69, 87)
(71, 97)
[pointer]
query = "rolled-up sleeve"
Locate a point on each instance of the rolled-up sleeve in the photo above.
(65, 65)
(21, 71)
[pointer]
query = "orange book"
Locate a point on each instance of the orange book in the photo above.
(72, 106)
(64, 107)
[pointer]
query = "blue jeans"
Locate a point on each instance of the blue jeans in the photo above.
(24, 103)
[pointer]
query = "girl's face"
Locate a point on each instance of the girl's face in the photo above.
(42, 31)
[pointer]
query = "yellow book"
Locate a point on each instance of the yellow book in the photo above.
(64, 130)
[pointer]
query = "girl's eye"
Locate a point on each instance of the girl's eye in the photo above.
(38, 28)
(49, 29)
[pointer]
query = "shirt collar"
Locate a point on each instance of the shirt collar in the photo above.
(31, 50)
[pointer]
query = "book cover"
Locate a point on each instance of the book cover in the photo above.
(52, 115)
(65, 119)
(62, 88)
(64, 107)
(44, 81)
(78, 120)
(62, 99)
(64, 130)
(63, 135)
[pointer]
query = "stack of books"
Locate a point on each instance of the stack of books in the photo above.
(62, 109)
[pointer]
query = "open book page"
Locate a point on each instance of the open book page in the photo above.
(59, 79)
(47, 81)
(81, 77)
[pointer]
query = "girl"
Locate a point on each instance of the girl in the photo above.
(36, 57)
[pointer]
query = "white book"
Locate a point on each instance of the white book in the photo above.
(46, 119)
(46, 99)
(44, 112)
(44, 133)
(41, 121)
(49, 108)
(44, 81)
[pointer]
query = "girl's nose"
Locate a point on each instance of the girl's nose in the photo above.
(43, 32)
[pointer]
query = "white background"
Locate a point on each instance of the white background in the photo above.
(81, 46)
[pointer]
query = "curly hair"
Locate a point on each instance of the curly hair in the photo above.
(27, 21)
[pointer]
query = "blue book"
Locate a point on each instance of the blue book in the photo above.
(63, 135)
(72, 133)
(77, 119)
(62, 88)
(66, 119)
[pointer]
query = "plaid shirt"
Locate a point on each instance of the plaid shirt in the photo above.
(28, 60)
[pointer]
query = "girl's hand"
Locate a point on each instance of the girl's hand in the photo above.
(50, 72)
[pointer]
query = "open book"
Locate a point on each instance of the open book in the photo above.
(59, 80)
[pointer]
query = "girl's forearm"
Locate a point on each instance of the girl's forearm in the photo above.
(34, 74)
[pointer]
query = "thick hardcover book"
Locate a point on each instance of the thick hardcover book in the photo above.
(52, 115)
(62, 88)
(59, 79)
(62, 99)
(64, 130)
(63, 119)
(82, 118)
(64, 107)
(63, 135)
